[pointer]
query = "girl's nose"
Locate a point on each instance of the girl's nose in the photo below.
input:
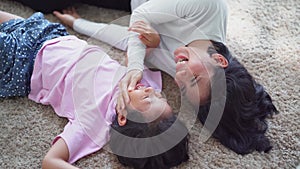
(149, 90)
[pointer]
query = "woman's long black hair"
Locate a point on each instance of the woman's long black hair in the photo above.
(243, 124)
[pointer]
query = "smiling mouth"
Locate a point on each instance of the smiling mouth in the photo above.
(181, 66)
(139, 86)
(181, 59)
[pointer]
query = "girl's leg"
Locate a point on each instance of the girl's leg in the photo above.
(5, 16)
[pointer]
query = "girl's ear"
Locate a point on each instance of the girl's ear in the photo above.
(220, 59)
(121, 119)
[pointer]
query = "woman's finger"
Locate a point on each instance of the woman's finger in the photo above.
(57, 14)
(139, 23)
(123, 87)
(135, 77)
(138, 29)
(147, 35)
(144, 40)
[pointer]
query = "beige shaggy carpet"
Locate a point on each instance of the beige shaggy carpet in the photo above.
(264, 35)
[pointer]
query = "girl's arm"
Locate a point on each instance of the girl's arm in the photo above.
(57, 156)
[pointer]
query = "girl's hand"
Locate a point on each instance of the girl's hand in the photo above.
(57, 156)
(68, 16)
(148, 35)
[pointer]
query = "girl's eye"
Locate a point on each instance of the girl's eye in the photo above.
(147, 99)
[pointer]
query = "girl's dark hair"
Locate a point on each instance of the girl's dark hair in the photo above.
(243, 124)
(170, 158)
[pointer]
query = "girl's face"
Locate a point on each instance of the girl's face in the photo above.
(194, 68)
(150, 103)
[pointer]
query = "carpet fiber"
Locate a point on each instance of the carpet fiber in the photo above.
(263, 35)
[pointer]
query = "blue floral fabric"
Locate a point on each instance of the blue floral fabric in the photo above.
(20, 40)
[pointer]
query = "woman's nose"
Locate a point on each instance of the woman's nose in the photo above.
(179, 50)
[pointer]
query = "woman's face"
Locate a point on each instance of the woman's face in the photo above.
(150, 103)
(194, 68)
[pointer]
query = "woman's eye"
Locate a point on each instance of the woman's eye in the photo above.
(195, 80)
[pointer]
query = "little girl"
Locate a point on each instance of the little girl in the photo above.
(80, 82)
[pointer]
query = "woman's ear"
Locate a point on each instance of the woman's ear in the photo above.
(220, 59)
(121, 119)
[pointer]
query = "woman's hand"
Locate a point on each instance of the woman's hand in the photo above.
(148, 35)
(68, 16)
(126, 84)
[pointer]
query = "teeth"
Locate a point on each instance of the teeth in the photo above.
(182, 60)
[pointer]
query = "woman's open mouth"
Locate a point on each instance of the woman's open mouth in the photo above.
(181, 58)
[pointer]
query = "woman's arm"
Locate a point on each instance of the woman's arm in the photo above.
(151, 39)
(148, 36)
(57, 156)
(68, 16)
(72, 19)
(151, 12)
(112, 34)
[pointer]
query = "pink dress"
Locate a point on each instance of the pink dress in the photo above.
(80, 82)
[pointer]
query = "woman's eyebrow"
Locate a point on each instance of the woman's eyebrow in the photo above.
(194, 81)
